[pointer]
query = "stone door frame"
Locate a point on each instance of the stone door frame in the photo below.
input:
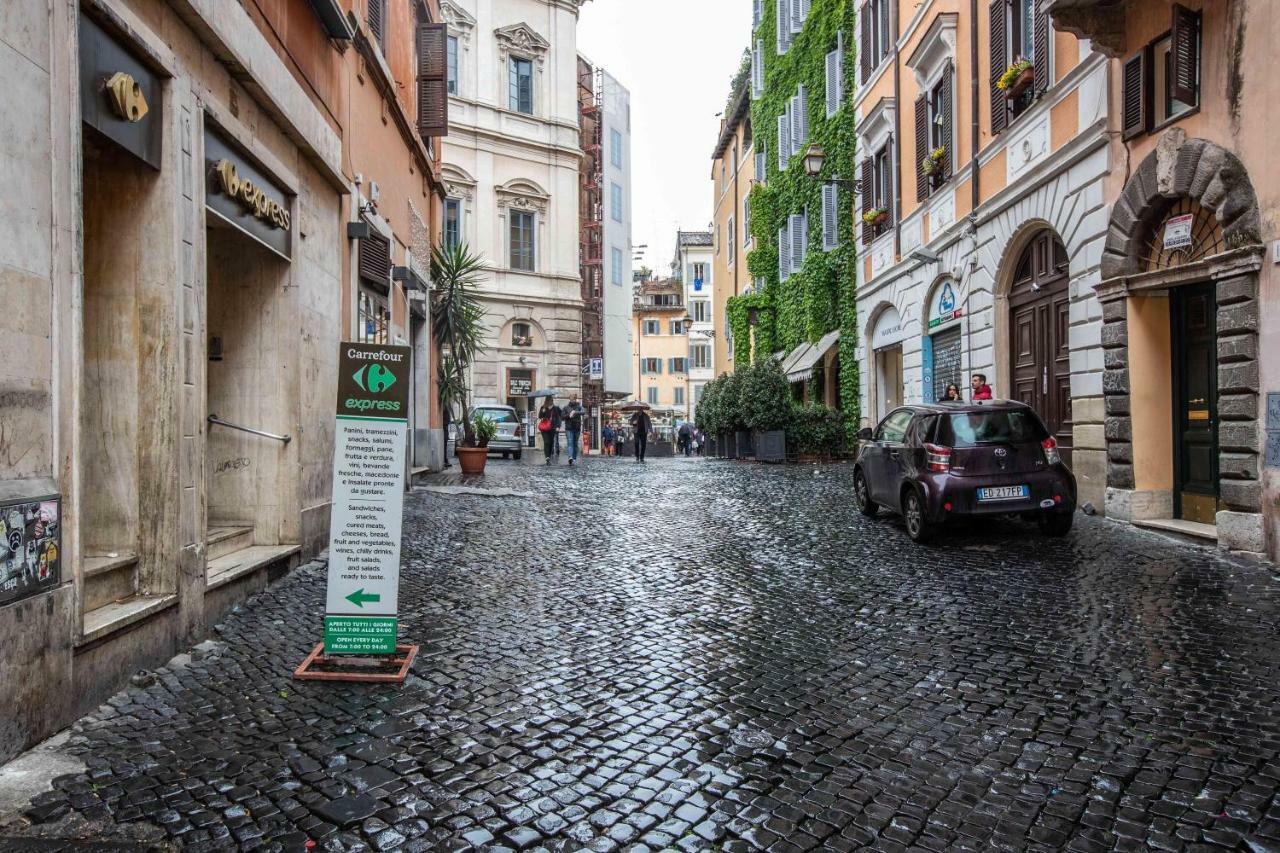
(1211, 175)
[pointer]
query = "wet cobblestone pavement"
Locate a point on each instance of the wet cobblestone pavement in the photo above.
(713, 656)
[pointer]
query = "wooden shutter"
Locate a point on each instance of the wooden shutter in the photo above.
(784, 254)
(1184, 56)
(999, 64)
(948, 120)
(868, 195)
(1134, 115)
(1044, 76)
(922, 146)
(375, 262)
(864, 49)
(376, 21)
(433, 80)
(830, 216)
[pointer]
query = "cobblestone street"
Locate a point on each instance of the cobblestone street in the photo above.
(710, 655)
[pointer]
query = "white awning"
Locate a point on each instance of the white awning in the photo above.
(800, 365)
(794, 356)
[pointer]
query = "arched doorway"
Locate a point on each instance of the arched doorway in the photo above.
(1039, 323)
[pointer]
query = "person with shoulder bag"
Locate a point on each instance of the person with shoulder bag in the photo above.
(546, 428)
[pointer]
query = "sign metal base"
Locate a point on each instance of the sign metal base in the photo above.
(386, 669)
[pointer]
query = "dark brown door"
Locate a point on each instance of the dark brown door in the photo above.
(1039, 305)
(1195, 414)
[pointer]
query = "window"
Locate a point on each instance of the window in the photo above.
(675, 327)
(791, 16)
(453, 65)
(377, 21)
(835, 77)
(700, 310)
(877, 193)
(731, 235)
(651, 365)
(830, 217)
(746, 221)
(615, 148)
(700, 355)
(452, 221)
(699, 274)
(653, 396)
(757, 70)
(792, 243)
(678, 399)
(615, 202)
(728, 335)
(523, 223)
(1161, 83)
(521, 335)
(373, 318)
(893, 429)
(652, 327)
(933, 120)
(876, 41)
(679, 365)
(1018, 32)
(664, 300)
(521, 85)
(615, 266)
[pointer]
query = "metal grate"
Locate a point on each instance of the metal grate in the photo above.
(1206, 237)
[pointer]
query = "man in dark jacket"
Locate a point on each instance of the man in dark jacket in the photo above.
(573, 415)
(641, 425)
(685, 435)
(557, 418)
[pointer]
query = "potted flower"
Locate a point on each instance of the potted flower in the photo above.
(875, 216)
(472, 458)
(1017, 78)
(931, 165)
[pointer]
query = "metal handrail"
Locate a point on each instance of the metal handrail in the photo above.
(214, 419)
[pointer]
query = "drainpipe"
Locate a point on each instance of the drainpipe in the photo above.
(897, 137)
(975, 131)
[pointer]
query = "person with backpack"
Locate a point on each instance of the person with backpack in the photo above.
(573, 415)
(607, 436)
(685, 434)
(547, 417)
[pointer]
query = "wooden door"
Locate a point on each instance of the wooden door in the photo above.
(1040, 324)
(1195, 354)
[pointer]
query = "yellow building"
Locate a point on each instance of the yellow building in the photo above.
(661, 356)
(733, 174)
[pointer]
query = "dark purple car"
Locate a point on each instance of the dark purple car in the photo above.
(934, 463)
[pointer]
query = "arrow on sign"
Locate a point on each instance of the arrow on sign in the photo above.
(359, 597)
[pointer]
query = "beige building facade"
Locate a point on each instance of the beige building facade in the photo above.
(661, 356)
(734, 171)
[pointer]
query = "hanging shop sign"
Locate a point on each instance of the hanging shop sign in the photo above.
(944, 307)
(888, 329)
(30, 546)
(241, 194)
(596, 368)
(368, 500)
(119, 96)
(519, 383)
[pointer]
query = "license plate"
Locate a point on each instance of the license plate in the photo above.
(1004, 493)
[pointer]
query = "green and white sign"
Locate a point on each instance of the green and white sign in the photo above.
(368, 500)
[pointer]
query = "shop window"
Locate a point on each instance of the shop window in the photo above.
(521, 335)
(373, 318)
(520, 74)
(1161, 83)
(523, 223)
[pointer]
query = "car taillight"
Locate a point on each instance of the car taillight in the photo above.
(1051, 454)
(519, 430)
(938, 458)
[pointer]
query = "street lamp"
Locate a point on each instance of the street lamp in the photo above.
(814, 159)
(687, 323)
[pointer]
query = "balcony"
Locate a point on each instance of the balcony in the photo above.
(1102, 21)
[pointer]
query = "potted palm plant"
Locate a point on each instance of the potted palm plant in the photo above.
(457, 324)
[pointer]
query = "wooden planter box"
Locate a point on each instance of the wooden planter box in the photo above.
(1024, 82)
(770, 446)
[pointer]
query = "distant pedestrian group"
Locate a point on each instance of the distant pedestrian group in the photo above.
(978, 387)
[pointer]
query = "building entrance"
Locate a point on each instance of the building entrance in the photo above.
(1195, 415)
(1039, 306)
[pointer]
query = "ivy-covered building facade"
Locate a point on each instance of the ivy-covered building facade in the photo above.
(800, 305)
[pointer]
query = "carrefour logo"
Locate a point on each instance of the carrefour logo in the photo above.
(374, 378)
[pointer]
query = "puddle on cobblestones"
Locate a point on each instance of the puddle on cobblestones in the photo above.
(751, 738)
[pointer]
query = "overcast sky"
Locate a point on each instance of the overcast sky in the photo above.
(677, 58)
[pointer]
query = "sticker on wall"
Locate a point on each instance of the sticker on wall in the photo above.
(1177, 232)
(30, 547)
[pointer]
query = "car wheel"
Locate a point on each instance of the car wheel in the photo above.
(918, 527)
(1056, 523)
(861, 495)
(518, 454)
(506, 455)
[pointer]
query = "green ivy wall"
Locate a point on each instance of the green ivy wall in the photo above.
(820, 297)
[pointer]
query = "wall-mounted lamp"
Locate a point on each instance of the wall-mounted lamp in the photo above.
(814, 159)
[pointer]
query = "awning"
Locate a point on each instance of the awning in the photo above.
(799, 367)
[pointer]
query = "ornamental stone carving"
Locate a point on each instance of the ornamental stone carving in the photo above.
(461, 22)
(521, 40)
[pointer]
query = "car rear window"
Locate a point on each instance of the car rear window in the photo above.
(971, 429)
(501, 416)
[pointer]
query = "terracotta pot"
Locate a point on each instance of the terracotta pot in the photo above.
(472, 459)
(880, 218)
(1022, 84)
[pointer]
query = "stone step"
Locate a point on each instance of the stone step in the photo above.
(108, 579)
(227, 539)
(237, 564)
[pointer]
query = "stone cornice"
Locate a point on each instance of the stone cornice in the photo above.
(1247, 259)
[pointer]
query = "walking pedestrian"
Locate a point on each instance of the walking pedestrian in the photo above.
(697, 441)
(981, 390)
(685, 434)
(952, 394)
(573, 415)
(641, 424)
(607, 436)
(546, 428)
(557, 419)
